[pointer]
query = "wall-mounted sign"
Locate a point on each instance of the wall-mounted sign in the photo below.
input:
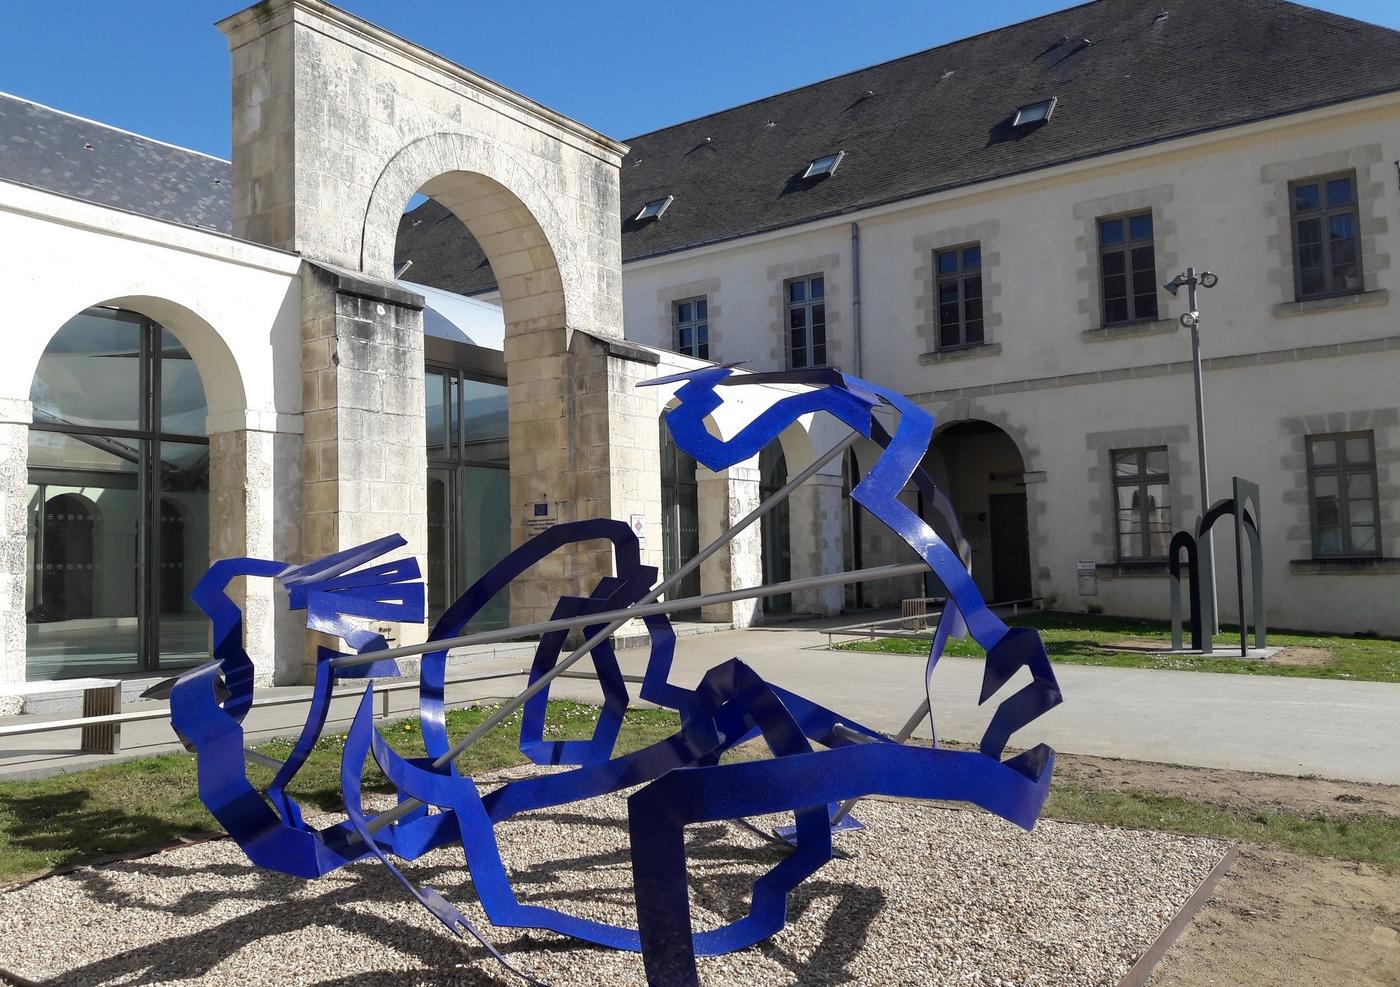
(639, 528)
(540, 516)
(1088, 573)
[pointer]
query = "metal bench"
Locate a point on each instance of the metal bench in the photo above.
(101, 697)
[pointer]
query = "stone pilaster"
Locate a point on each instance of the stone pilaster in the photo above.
(364, 450)
(255, 500)
(584, 443)
(725, 498)
(14, 538)
(816, 534)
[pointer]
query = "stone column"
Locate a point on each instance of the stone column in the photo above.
(255, 503)
(583, 444)
(364, 450)
(815, 513)
(15, 415)
(726, 497)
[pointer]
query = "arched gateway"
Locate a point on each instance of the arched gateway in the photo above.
(336, 124)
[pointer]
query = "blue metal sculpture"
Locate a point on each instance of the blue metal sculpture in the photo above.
(820, 757)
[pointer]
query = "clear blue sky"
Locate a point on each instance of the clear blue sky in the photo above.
(159, 67)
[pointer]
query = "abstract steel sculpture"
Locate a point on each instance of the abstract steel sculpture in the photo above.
(1243, 507)
(822, 761)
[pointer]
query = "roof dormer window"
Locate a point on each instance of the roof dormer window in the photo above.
(824, 167)
(1034, 113)
(654, 209)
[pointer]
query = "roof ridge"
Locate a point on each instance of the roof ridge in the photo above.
(865, 68)
(119, 130)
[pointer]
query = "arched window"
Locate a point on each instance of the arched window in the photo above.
(776, 544)
(680, 519)
(851, 549)
(119, 499)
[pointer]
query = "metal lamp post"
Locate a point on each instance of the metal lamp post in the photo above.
(1192, 320)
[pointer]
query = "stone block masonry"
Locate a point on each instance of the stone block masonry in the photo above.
(364, 454)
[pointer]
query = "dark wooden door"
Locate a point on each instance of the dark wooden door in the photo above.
(1011, 547)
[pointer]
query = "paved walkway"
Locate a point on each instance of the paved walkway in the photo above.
(1334, 729)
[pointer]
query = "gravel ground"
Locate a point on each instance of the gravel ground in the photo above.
(926, 895)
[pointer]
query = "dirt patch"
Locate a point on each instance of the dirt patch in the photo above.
(1278, 919)
(1303, 656)
(1237, 789)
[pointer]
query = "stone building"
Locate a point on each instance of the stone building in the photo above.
(987, 226)
(211, 359)
(276, 356)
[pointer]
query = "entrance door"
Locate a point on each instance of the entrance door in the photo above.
(465, 420)
(442, 536)
(680, 520)
(1011, 550)
(774, 527)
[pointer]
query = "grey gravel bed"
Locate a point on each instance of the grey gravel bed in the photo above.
(925, 896)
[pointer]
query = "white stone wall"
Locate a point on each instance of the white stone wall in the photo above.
(234, 306)
(1052, 377)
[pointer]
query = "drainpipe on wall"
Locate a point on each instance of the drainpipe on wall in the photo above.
(855, 292)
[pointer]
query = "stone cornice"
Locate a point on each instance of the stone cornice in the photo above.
(245, 25)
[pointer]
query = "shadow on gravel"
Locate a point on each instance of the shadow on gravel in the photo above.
(722, 893)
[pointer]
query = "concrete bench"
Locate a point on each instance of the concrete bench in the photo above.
(101, 697)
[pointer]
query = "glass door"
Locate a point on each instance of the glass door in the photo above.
(468, 488)
(118, 506)
(680, 520)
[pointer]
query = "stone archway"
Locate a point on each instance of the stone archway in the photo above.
(982, 469)
(336, 124)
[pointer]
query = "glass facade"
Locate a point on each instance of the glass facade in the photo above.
(468, 488)
(774, 527)
(680, 520)
(118, 505)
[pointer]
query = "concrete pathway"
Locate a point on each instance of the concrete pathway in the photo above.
(1334, 729)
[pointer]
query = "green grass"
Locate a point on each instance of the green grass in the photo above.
(1080, 639)
(84, 816)
(1370, 838)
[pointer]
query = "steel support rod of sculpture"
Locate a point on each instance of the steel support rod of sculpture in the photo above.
(604, 633)
(622, 616)
(905, 732)
(530, 630)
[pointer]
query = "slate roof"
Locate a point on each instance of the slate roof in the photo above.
(930, 121)
(57, 152)
(940, 118)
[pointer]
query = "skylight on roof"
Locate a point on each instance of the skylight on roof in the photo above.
(824, 167)
(1034, 113)
(654, 208)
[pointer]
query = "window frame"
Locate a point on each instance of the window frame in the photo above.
(807, 305)
(1141, 480)
(1342, 469)
(1126, 248)
(960, 277)
(695, 324)
(1324, 213)
(151, 492)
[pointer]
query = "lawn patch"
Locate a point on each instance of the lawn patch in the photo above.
(1089, 639)
(81, 817)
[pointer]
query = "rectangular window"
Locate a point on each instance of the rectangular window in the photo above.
(1342, 494)
(692, 324)
(1127, 268)
(806, 320)
(958, 282)
(1142, 503)
(1326, 236)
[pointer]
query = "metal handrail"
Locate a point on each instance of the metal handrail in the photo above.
(137, 716)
